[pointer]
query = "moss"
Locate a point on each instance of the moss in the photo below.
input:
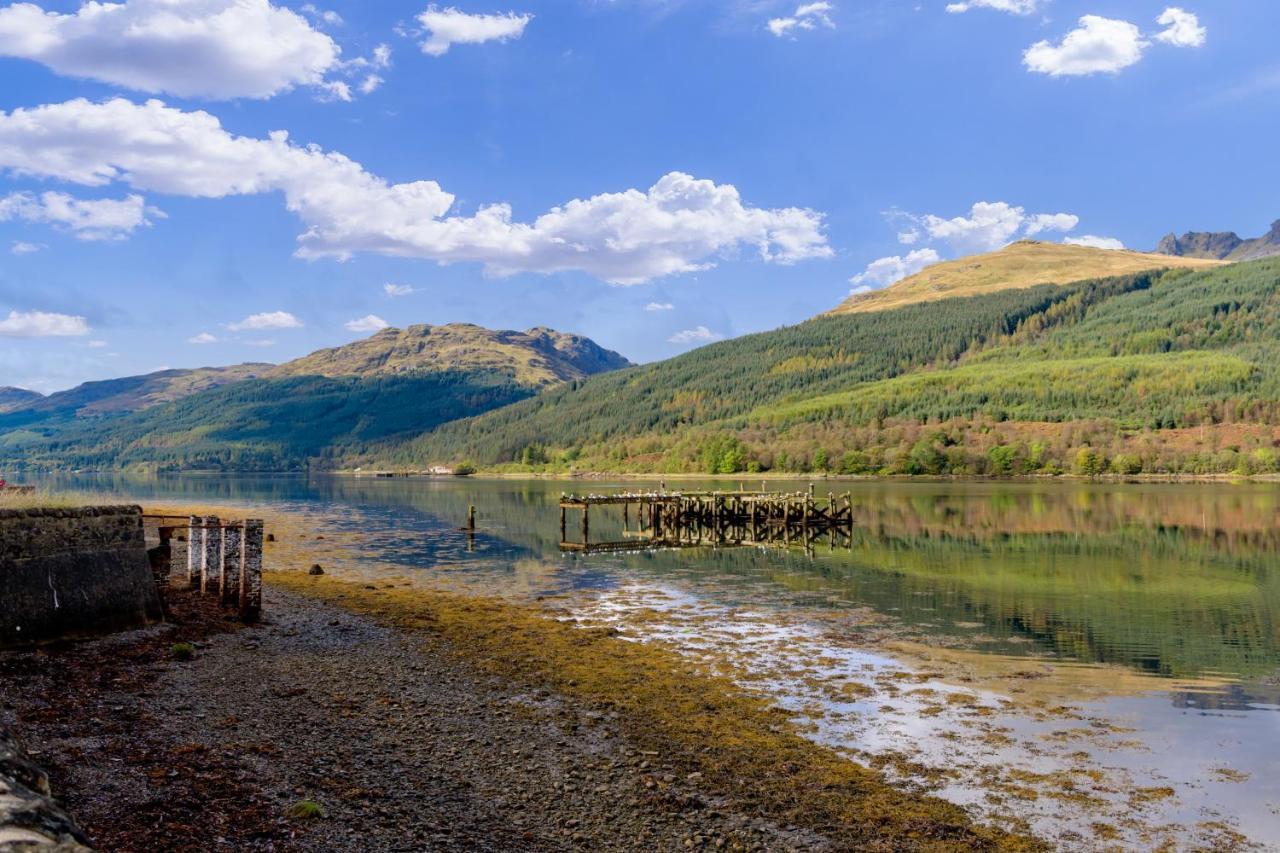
(182, 651)
(305, 810)
(745, 749)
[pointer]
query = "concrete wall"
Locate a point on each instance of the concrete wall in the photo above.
(69, 573)
(29, 819)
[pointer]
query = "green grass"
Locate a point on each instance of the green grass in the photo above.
(305, 810)
(46, 499)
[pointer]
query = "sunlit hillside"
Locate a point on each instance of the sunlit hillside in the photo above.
(1026, 263)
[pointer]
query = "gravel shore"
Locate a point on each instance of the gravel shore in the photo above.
(402, 744)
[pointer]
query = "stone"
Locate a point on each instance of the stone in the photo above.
(316, 569)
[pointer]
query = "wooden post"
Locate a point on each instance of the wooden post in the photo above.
(562, 539)
(586, 529)
(251, 571)
(471, 517)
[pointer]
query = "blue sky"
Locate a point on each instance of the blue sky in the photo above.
(719, 166)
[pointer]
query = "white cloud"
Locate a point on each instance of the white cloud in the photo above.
(88, 219)
(1095, 242)
(192, 48)
(329, 16)
(659, 306)
(267, 320)
(370, 84)
(1014, 7)
(1097, 45)
(39, 324)
(1051, 222)
(909, 237)
(394, 290)
(367, 323)
(886, 271)
(1182, 28)
(202, 338)
(1106, 46)
(96, 344)
(21, 247)
(447, 27)
(680, 224)
(699, 335)
(808, 16)
(991, 225)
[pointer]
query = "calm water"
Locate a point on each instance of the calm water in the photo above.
(1166, 596)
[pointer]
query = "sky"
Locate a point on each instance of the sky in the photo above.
(187, 183)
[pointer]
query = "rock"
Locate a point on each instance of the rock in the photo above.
(316, 569)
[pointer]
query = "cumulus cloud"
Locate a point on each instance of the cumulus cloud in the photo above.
(991, 225)
(195, 48)
(447, 27)
(394, 290)
(886, 271)
(1097, 45)
(1015, 7)
(808, 16)
(367, 323)
(698, 335)
(680, 224)
(41, 324)
(659, 306)
(267, 320)
(1095, 242)
(87, 219)
(22, 247)
(1182, 28)
(202, 339)
(1107, 46)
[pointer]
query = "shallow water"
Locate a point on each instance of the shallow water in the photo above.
(1117, 646)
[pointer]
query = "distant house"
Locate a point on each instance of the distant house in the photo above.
(440, 470)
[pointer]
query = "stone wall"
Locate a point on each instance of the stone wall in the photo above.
(71, 573)
(29, 819)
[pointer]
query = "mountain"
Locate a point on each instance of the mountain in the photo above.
(537, 358)
(310, 412)
(14, 399)
(1158, 371)
(135, 393)
(1222, 245)
(1025, 263)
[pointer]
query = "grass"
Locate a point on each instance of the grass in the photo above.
(182, 651)
(746, 748)
(46, 499)
(305, 810)
(1020, 265)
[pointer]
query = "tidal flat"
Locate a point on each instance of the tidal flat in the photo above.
(1092, 666)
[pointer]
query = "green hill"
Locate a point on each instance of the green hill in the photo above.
(314, 411)
(130, 393)
(1173, 371)
(14, 399)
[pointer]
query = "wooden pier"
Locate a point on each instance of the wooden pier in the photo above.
(700, 519)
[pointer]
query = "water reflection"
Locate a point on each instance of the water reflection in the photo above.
(1175, 581)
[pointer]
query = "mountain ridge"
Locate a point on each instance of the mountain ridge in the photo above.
(1222, 245)
(304, 413)
(539, 356)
